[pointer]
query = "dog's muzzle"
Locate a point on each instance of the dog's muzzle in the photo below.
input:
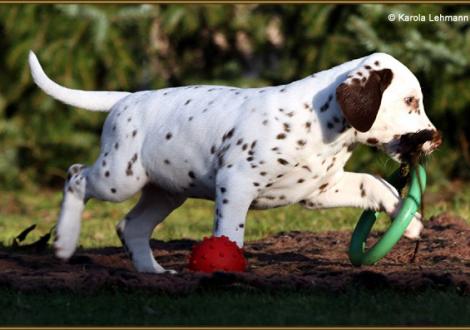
(415, 145)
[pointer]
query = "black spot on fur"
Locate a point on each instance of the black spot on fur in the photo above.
(307, 168)
(372, 140)
(228, 135)
(168, 136)
(129, 171)
(113, 190)
(324, 107)
(286, 127)
(282, 161)
(191, 175)
(363, 191)
(187, 102)
(134, 133)
(281, 136)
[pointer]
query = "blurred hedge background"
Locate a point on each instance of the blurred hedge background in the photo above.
(137, 47)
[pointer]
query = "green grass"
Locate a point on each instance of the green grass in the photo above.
(354, 307)
(20, 209)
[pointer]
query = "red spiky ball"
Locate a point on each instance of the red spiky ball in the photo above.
(217, 254)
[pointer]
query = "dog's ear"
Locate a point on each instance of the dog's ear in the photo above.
(360, 98)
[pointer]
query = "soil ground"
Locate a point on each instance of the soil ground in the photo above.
(293, 260)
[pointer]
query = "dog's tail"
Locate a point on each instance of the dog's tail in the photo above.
(90, 100)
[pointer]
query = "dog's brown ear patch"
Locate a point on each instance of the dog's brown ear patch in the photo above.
(360, 100)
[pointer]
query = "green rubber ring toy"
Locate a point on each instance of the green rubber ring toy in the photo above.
(357, 254)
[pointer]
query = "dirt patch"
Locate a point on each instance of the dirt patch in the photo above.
(293, 260)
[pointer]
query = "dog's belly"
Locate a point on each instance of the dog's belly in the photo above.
(186, 173)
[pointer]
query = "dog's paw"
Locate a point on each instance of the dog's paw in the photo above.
(63, 251)
(413, 231)
(153, 268)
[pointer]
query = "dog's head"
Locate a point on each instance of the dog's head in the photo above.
(382, 100)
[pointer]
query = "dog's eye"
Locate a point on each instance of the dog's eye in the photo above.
(409, 100)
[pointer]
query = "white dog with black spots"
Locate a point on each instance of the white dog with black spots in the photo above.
(254, 148)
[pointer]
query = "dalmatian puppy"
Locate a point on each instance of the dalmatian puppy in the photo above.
(254, 148)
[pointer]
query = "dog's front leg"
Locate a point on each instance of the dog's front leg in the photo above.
(234, 194)
(365, 191)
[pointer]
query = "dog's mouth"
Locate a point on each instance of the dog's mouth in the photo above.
(413, 146)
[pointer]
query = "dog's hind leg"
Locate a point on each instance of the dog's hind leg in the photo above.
(73, 203)
(97, 181)
(136, 228)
